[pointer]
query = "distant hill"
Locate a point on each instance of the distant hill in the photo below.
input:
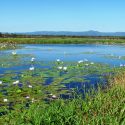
(70, 33)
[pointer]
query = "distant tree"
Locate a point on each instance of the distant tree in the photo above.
(1, 34)
(13, 35)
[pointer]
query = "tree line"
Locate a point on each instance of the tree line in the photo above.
(14, 35)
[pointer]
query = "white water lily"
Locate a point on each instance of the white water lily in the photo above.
(30, 86)
(5, 100)
(1, 82)
(31, 68)
(121, 65)
(86, 64)
(58, 60)
(16, 82)
(32, 59)
(80, 61)
(33, 100)
(92, 63)
(27, 97)
(60, 67)
(54, 96)
(64, 68)
(14, 53)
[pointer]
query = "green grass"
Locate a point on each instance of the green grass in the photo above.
(105, 108)
(61, 41)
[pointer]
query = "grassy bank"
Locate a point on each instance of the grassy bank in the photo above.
(10, 43)
(107, 107)
(61, 40)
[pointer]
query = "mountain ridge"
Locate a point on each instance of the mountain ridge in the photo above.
(74, 33)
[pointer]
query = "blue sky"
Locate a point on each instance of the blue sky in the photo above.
(62, 15)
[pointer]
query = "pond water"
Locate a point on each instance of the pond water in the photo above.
(96, 62)
(108, 54)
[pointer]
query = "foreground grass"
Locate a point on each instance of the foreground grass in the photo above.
(105, 107)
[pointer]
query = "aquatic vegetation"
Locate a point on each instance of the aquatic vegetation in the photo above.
(28, 84)
(90, 52)
(66, 92)
(111, 56)
(105, 107)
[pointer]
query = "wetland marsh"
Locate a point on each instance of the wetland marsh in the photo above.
(50, 75)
